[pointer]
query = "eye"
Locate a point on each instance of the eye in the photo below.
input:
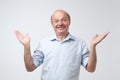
(64, 19)
(55, 21)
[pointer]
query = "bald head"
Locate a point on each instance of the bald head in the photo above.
(60, 11)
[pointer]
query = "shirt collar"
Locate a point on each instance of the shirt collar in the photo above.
(69, 37)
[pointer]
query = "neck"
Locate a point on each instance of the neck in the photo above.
(61, 37)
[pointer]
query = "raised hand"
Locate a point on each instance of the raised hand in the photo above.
(98, 38)
(24, 39)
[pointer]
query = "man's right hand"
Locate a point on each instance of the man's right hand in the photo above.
(24, 39)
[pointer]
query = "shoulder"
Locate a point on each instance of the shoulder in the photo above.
(76, 38)
(79, 40)
(46, 39)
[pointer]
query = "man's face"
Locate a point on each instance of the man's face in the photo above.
(60, 22)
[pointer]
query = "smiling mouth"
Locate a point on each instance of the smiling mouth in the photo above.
(61, 27)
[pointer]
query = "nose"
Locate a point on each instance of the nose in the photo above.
(60, 22)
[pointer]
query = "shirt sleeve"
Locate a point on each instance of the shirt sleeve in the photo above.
(85, 55)
(38, 56)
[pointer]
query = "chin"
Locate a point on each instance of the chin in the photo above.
(61, 33)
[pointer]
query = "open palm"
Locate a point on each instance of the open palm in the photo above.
(24, 39)
(98, 38)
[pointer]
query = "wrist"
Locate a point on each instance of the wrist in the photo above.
(27, 46)
(92, 46)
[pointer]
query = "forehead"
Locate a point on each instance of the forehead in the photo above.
(59, 15)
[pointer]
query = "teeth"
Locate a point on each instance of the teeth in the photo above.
(60, 27)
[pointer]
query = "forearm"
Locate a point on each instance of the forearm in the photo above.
(91, 66)
(28, 59)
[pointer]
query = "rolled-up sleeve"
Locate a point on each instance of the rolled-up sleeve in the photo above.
(38, 57)
(85, 55)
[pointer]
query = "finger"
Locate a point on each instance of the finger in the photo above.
(95, 36)
(19, 35)
(17, 32)
(27, 35)
(103, 36)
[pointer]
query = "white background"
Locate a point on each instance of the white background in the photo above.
(88, 18)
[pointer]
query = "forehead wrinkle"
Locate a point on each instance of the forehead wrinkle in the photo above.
(60, 11)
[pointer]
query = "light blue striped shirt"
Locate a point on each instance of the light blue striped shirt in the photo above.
(61, 60)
